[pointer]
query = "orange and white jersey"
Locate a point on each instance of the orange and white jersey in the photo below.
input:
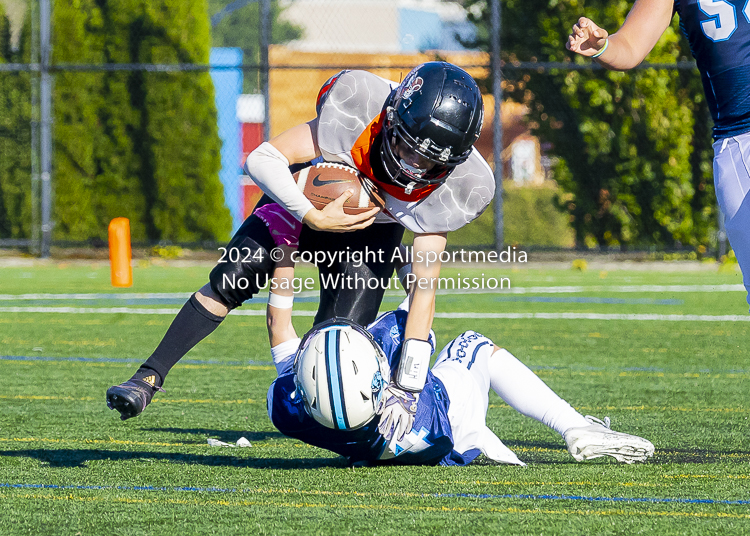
(351, 113)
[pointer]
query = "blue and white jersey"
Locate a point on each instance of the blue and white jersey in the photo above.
(429, 442)
(719, 35)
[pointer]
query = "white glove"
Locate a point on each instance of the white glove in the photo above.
(396, 409)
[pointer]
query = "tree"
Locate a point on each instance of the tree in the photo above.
(15, 138)
(631, 152)
(136, 144)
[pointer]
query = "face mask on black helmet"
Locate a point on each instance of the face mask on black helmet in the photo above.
(433, 118)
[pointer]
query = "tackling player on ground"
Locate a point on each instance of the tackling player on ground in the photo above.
(335, 390)
(719, 35)
(414, 140)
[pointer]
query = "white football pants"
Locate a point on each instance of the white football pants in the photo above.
(732, 182)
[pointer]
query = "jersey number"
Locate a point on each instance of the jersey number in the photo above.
(723, 21)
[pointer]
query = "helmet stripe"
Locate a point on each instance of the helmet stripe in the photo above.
(334, 379)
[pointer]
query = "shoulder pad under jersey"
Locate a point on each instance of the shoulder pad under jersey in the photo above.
(352, 101)
(459, 200)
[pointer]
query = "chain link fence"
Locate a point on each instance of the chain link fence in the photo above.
(147, 111)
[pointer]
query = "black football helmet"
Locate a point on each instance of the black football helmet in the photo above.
(436, 113)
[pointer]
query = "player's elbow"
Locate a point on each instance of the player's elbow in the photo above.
(251, 162)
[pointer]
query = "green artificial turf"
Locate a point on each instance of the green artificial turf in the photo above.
(68, 465)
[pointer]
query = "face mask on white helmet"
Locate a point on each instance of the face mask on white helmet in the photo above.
(341, 373)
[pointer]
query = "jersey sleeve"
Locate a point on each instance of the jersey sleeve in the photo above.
(325, 90)
(283, 355)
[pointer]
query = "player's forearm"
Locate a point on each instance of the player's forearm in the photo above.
(619, 55)
(269, 169)
(279, 324)
(643, 27)
(426, 271)
(421, 315)
(280, 301)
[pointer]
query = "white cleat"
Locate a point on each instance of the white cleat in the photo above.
(597, 440)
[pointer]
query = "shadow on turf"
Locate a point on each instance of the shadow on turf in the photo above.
(80, 457)
(228, 436)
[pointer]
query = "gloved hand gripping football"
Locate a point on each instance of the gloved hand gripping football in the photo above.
(396, 409)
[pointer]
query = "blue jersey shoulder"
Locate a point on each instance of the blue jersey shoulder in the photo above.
(719, 35)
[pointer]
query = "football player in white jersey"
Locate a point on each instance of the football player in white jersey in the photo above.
(415, 140)
(335, 390)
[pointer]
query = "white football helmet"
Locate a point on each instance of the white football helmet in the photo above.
(341, 374)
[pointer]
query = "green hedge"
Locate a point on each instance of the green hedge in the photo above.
(140, 145)
(15, 139)
(144, 146)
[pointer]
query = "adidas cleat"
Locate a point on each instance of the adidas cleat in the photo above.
(131, 398)
(597, 440)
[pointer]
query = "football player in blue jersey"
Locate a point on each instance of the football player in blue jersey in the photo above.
(337, 389)
(719, 35)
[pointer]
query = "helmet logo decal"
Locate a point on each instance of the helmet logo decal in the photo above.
(411, 85)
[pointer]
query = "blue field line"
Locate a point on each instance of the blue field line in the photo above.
(129, 360)
(575, 368)
(592, 499)
(616, 301)
(485, 496)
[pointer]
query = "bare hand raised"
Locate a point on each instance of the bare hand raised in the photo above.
(332, 217)
(586, 38)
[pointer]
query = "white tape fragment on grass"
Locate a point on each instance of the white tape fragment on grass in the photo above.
(241, 442)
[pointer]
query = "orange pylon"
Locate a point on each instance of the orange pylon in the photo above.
(119, 253)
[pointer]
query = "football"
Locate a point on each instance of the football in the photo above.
(326, 181)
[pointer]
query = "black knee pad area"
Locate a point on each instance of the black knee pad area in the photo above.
(245, 264)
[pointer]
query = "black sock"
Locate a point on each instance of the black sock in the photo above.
(149, 376)
(191, 325)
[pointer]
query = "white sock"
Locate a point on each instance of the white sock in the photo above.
(525, 392)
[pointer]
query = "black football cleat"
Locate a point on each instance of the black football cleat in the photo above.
(131, 398)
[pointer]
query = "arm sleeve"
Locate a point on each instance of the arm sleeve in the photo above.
(283, 355)
(269, 169)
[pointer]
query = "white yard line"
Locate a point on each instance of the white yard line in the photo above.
(514, 290)
(598, 316)
(469, 315)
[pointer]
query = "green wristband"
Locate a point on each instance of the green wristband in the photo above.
(606, 44)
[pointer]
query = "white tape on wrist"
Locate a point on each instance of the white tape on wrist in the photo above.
(280, 302)
(415, 362)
